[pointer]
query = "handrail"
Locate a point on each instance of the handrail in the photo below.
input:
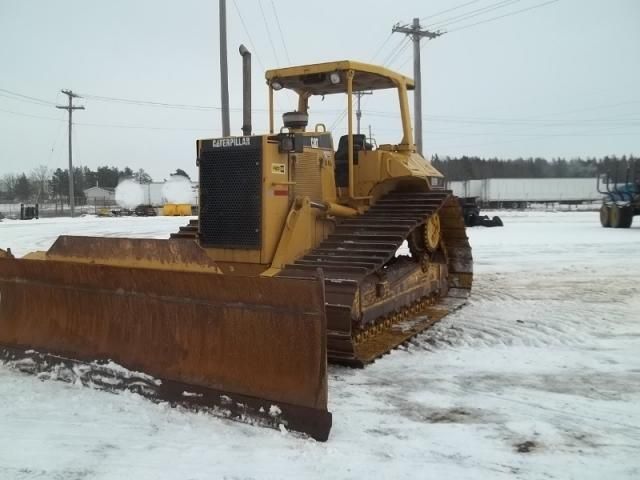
(271, 110)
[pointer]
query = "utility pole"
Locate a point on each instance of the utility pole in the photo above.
(416, 34)
(224, 77)
(358, 111)
(70, 108)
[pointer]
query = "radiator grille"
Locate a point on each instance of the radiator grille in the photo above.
(307, 175)
(231, 195)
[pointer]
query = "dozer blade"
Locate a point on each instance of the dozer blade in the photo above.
(251, 348)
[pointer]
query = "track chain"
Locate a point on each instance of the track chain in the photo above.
(362, 246)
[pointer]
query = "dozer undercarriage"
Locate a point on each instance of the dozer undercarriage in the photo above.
(301, 254)
(377, 300)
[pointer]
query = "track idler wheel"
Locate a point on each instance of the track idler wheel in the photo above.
(425, 241)
(432, 233)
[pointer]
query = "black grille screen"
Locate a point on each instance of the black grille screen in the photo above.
(231, 192)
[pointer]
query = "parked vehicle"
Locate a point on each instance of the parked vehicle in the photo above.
(621, 201)
(472, 217)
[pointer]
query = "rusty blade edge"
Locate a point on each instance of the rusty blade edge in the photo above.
(316, 423)
(164, 298)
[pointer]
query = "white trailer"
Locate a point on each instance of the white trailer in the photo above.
(528, 190)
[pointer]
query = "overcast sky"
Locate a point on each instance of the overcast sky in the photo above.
(560, 79)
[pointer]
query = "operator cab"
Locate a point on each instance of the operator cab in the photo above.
(358, 167)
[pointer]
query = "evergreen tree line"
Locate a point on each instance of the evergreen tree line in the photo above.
(475, 168)
(43, 184)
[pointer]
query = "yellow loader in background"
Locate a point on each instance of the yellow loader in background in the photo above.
(292, 262)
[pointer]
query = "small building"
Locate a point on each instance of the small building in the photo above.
(100, 195)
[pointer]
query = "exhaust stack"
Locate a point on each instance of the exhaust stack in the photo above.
(246, 90)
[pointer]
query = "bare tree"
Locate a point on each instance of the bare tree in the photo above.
(40, 178)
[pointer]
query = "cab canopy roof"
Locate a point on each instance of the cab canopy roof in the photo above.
(317, 79)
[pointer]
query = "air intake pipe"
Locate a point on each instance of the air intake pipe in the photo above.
(246, 90)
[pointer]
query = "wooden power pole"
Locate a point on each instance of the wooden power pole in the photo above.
(70, 108)
(416, 34)
(358, 110)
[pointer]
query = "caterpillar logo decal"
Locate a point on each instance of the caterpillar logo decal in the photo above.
(231, 142)
(279, 168)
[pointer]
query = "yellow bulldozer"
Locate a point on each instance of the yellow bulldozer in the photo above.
(293, 262)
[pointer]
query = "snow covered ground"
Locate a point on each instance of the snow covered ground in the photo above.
(538, 377)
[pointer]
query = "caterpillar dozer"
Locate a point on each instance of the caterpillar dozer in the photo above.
(293, 261)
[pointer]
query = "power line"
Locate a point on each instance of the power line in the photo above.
(389, 59)
(540, 136)
(266, 26)
(148, 103)
(449, 9)
(246, 30)
(109, 125)
(382, 45)
(27, 97)
(55, 140)
(503, 16)
(431, 133)
(396, 50)
(284, 44)
(513, 121)
(143, 127)
(406, 60)
(597, 107)
(179, 106)
(151, 103)
(9, 97)
(473, 13)
(338, 120)
(553, 114)
(29, 115)
(398, 54)
(16, 94)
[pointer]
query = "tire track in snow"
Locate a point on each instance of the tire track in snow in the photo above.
(507, 311)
